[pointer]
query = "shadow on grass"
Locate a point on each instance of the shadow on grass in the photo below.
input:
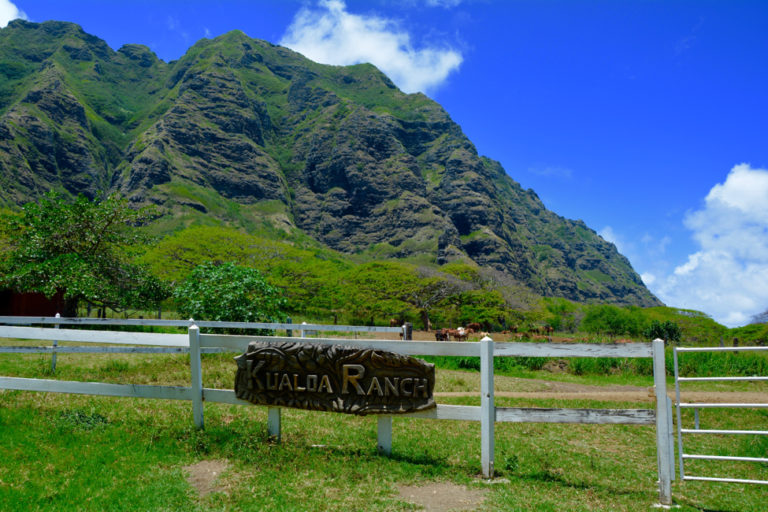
(545, 476)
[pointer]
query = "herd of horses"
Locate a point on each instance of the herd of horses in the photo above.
(463, 333)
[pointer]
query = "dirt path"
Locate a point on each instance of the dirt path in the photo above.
(717, 397)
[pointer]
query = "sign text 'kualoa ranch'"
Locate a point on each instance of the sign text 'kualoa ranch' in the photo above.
(333, 378)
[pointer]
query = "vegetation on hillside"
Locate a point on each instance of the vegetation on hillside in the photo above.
(99, 252)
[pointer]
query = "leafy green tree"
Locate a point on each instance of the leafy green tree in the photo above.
(492, 296)
(612, 320)
(668, 331)
(229, 293)
(85, 249)
(392, 289)
(566, 315)
(380, 290)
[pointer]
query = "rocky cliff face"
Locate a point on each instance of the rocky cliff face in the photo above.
(247, 132)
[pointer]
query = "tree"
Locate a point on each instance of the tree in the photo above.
(84, 249)
(612, 320)
(492, 296)
(397, 289)
(379, 289)
(760, 318)
(667, 331)
(433, 287)
(229, 293)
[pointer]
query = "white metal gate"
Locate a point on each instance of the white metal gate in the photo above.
(680, 431)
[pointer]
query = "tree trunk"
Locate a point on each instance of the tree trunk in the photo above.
(70, 308)
(425, 319)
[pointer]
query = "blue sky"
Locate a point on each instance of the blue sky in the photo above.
(645, 119)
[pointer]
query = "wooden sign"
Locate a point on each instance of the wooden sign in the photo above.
(334, 378)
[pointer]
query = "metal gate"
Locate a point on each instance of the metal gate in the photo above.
(680, 431)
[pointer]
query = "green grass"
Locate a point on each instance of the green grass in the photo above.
(701, 364)
(72, 452)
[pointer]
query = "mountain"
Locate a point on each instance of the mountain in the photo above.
(243, 132)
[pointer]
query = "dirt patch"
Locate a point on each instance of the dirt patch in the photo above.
(442, 497)
(228, 419)
(204, 474)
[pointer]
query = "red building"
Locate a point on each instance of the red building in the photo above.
(30, 304)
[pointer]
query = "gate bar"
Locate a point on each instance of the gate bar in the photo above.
(729, 480)
(719, 349)
(736, 432)
(721, 379)
(702, 406)
(720, 457)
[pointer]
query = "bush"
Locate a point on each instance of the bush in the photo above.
(613, 319)
(667, 331)
(229, 293)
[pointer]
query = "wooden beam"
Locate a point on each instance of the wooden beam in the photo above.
(96, 388)
(583, 416)
(447, 412)
(425, 348)
(16, 320)
(94, 350)
(109, 337)
(521, 349)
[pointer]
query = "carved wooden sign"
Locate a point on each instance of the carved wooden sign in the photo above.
(333, 378)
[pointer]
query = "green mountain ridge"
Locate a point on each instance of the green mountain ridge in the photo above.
(245, 133)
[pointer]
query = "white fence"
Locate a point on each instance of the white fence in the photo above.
(487, 413)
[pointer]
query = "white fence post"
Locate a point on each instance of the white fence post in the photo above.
(662, 423)
(197, 375)
(55, 344)
(487, 409)
(273, 423)
(384, 429)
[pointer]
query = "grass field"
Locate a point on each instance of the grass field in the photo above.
(70, 452)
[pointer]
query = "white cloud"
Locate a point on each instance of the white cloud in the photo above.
(443, 3)
(331, 35)
(562, 172)
(207, 33)
(728, 276)
(648, 278)
(9, 12)
(655, 247)
(174, 25)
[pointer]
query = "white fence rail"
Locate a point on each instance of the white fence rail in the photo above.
(30, 320)
(487, 414)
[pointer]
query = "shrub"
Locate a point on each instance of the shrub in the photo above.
(229, 293)
(668, 331)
